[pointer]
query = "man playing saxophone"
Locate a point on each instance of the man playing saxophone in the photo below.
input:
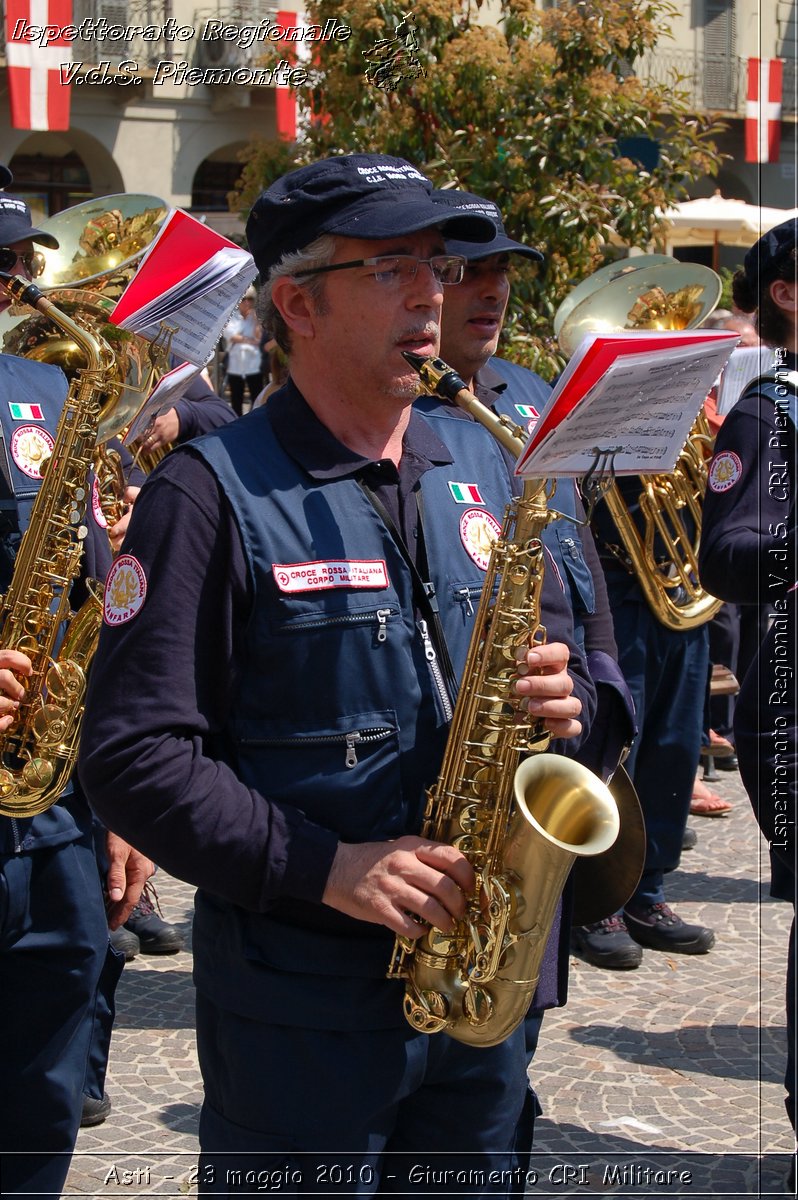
(292, 608)
(53, 932)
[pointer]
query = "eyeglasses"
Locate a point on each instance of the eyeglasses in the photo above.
(32, 261)
(399, 269)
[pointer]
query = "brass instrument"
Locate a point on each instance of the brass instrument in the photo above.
(38, 751)
(520, 827)
(101, 243)
(655, 291)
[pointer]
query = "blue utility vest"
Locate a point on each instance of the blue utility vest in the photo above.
(337, 712)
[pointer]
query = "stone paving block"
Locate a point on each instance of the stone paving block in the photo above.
(641, 1069)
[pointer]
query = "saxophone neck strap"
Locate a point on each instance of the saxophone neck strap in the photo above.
(424, 594)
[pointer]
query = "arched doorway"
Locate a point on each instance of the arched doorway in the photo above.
(53, 172)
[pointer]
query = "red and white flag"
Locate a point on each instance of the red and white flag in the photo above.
(38, 94)
(763, 110)
(284, 98)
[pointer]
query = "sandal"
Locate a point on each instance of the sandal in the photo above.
(706, 803)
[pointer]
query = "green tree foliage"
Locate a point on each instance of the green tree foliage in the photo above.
(528, 113)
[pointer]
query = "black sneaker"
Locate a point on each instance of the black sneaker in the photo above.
(125, 942)
(659, 928)
(607, 944)
(155, 935)
(95, 1111)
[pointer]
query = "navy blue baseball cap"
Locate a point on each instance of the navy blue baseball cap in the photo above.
(766, 256)
(16, 224)
(5, 176)
(479, 206)
(351, 195)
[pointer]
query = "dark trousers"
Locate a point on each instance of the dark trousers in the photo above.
(236, 383)
(724, 647)
(666, 672)
(53, 946)
(350, 1113)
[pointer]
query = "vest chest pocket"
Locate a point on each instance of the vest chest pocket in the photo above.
(345, 776)
(309, 619)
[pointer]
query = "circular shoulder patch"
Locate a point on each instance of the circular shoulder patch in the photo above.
(30, 447)
(478, 531)
(125, 590)
(96, 506)
(724, 471)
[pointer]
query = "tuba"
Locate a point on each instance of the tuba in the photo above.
(655, 291)
(38, 751)
(101, 243)
(520, 826)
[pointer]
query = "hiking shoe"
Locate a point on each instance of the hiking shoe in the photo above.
(125, 942)
(94, 1111)
(659, 928)
(607, 944)
(155, 935)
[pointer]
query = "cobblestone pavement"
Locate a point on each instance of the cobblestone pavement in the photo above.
(662, 1081)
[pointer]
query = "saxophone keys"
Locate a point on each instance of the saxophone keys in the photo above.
(65, 681)
(477, 1006)
(37, 774)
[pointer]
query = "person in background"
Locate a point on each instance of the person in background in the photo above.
(242, 336)
(748, 557)
(55, 956)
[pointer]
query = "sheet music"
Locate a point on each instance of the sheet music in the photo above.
(642, 408)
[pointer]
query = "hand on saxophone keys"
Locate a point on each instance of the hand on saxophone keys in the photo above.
(116, 533)
(12, 663)
(386, 883)
(547, 687)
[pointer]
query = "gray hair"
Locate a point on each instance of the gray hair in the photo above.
(318, 253)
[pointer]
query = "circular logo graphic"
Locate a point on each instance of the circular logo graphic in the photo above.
(31, 446)
(724, 471)
(125, 590)
(478, 531)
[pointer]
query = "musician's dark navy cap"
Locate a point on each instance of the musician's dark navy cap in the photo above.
(16, 224)
(353, 195)
(479, 206)
(766, 256)
(5, 176)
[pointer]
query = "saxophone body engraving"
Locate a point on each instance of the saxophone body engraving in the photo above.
(521, 824)
(38, 752)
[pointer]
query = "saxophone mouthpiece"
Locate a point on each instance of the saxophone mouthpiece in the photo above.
(20, 289)
(437, 377)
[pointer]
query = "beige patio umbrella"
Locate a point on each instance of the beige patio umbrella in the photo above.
(719, 221)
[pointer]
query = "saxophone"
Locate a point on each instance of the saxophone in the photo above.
(38, 751)
(520, 826)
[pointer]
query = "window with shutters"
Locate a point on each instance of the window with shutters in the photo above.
(720, 54)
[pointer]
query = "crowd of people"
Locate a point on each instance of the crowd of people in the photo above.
(290, 599)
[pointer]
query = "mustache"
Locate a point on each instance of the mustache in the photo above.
(429, 331)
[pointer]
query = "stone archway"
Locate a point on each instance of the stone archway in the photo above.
(54, 171)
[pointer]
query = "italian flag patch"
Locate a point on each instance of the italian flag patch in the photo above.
(466, 493)
(528, 411)
(26, 412)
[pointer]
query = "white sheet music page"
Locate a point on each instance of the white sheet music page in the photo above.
(633, 396)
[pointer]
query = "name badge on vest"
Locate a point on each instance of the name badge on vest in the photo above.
(332, 573)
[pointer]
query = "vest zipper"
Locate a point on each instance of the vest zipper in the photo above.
(350, 740)
(435, 670)
(463, 595)
(15, 831)
(381, 616)
(571, 544)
